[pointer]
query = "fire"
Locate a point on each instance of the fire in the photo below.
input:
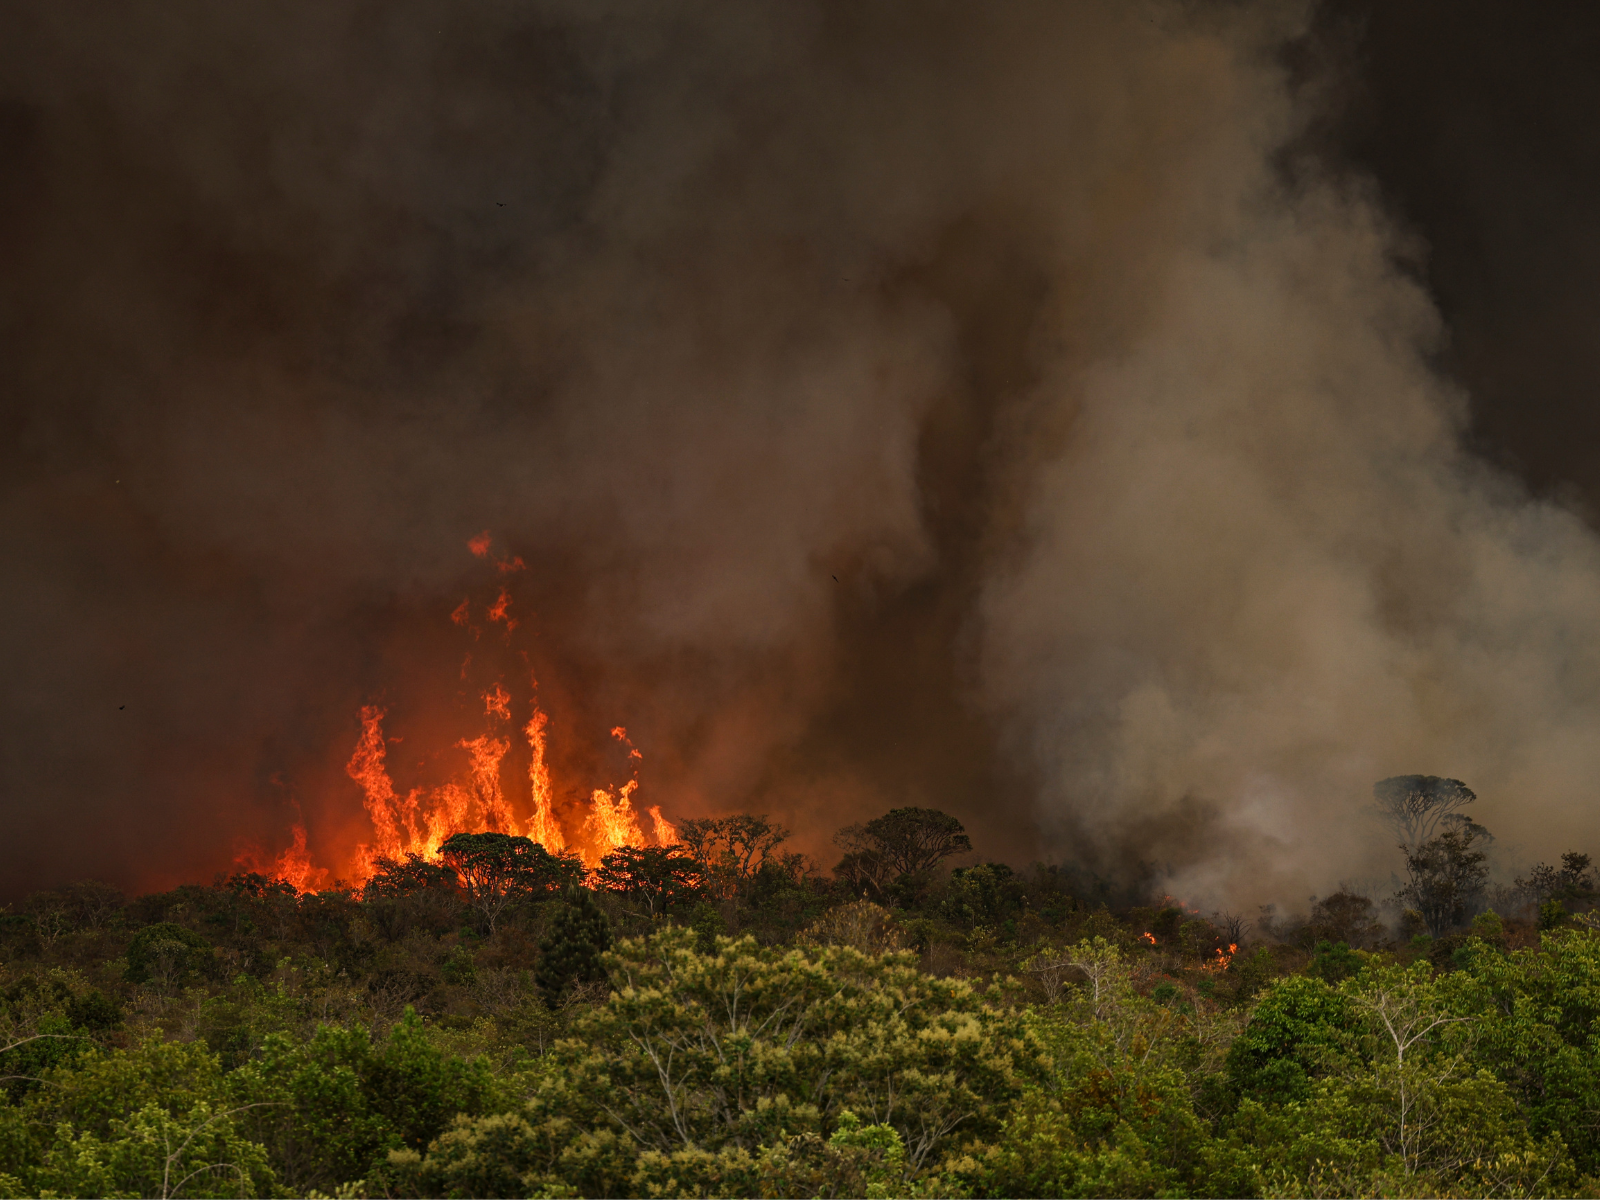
(292, 866)
(486, 753)
(542, 826)
(367, 768)
(666, 831)
(497, 703)
(612, 822)
(1223, 959)
(1149, 937)
(478, 795)
(500, 610)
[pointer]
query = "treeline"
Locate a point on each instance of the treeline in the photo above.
(720, 1018)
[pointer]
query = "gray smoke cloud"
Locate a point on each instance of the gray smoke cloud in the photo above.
(971, 406)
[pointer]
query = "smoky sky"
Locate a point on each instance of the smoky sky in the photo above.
(1131, 428)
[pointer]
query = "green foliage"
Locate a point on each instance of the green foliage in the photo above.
(167, 955)
(1334, 961)
(579, 936)
(153, 1152)
(1295, 1029)
(218, 1034)
(701, 1065)
(331, 1108)
(982, 895)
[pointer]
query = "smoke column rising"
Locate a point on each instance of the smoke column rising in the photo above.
(983, 407)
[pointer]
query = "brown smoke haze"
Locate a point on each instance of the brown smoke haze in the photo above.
(990, 407)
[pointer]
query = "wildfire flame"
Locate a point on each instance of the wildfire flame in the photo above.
(666, 832)
(611, 822)
(500, 610)
(1149, 937)
(476, 798)
(1224, 958)
(542, 826)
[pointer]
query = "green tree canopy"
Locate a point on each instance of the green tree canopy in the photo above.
(572, 952)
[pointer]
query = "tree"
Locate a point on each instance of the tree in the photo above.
(166, 954)
(731, 850)
(698, 1061)
(496, 868)
(660, 876)
(572, 953)
(1414, 805)
(904, 841)
(1344, 917)
(1569, 881)
(1446, 876)
(330, 1106)
(393, 879)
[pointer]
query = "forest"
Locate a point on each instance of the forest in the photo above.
(720, 1017)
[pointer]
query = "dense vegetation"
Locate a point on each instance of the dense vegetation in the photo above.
(720, 1019)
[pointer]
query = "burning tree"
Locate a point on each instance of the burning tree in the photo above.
(1414, 805)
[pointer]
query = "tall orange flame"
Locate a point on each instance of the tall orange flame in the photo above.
(611, 822)
(542, 826)
(486, 753)
(294, 865)
(423, 818)
(367, 768)
(666, 831)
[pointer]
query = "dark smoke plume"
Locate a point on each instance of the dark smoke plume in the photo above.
(973, 406)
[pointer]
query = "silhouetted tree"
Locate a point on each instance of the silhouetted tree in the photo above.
(659, 876)
(731, 850)
(1344, 917)
(1446, 875)
(1414, 805)
(1566, 882)
(903, 841)
(496, 868)
(392, 878)
(571, 953)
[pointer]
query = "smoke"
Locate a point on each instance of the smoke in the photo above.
(970, 406)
